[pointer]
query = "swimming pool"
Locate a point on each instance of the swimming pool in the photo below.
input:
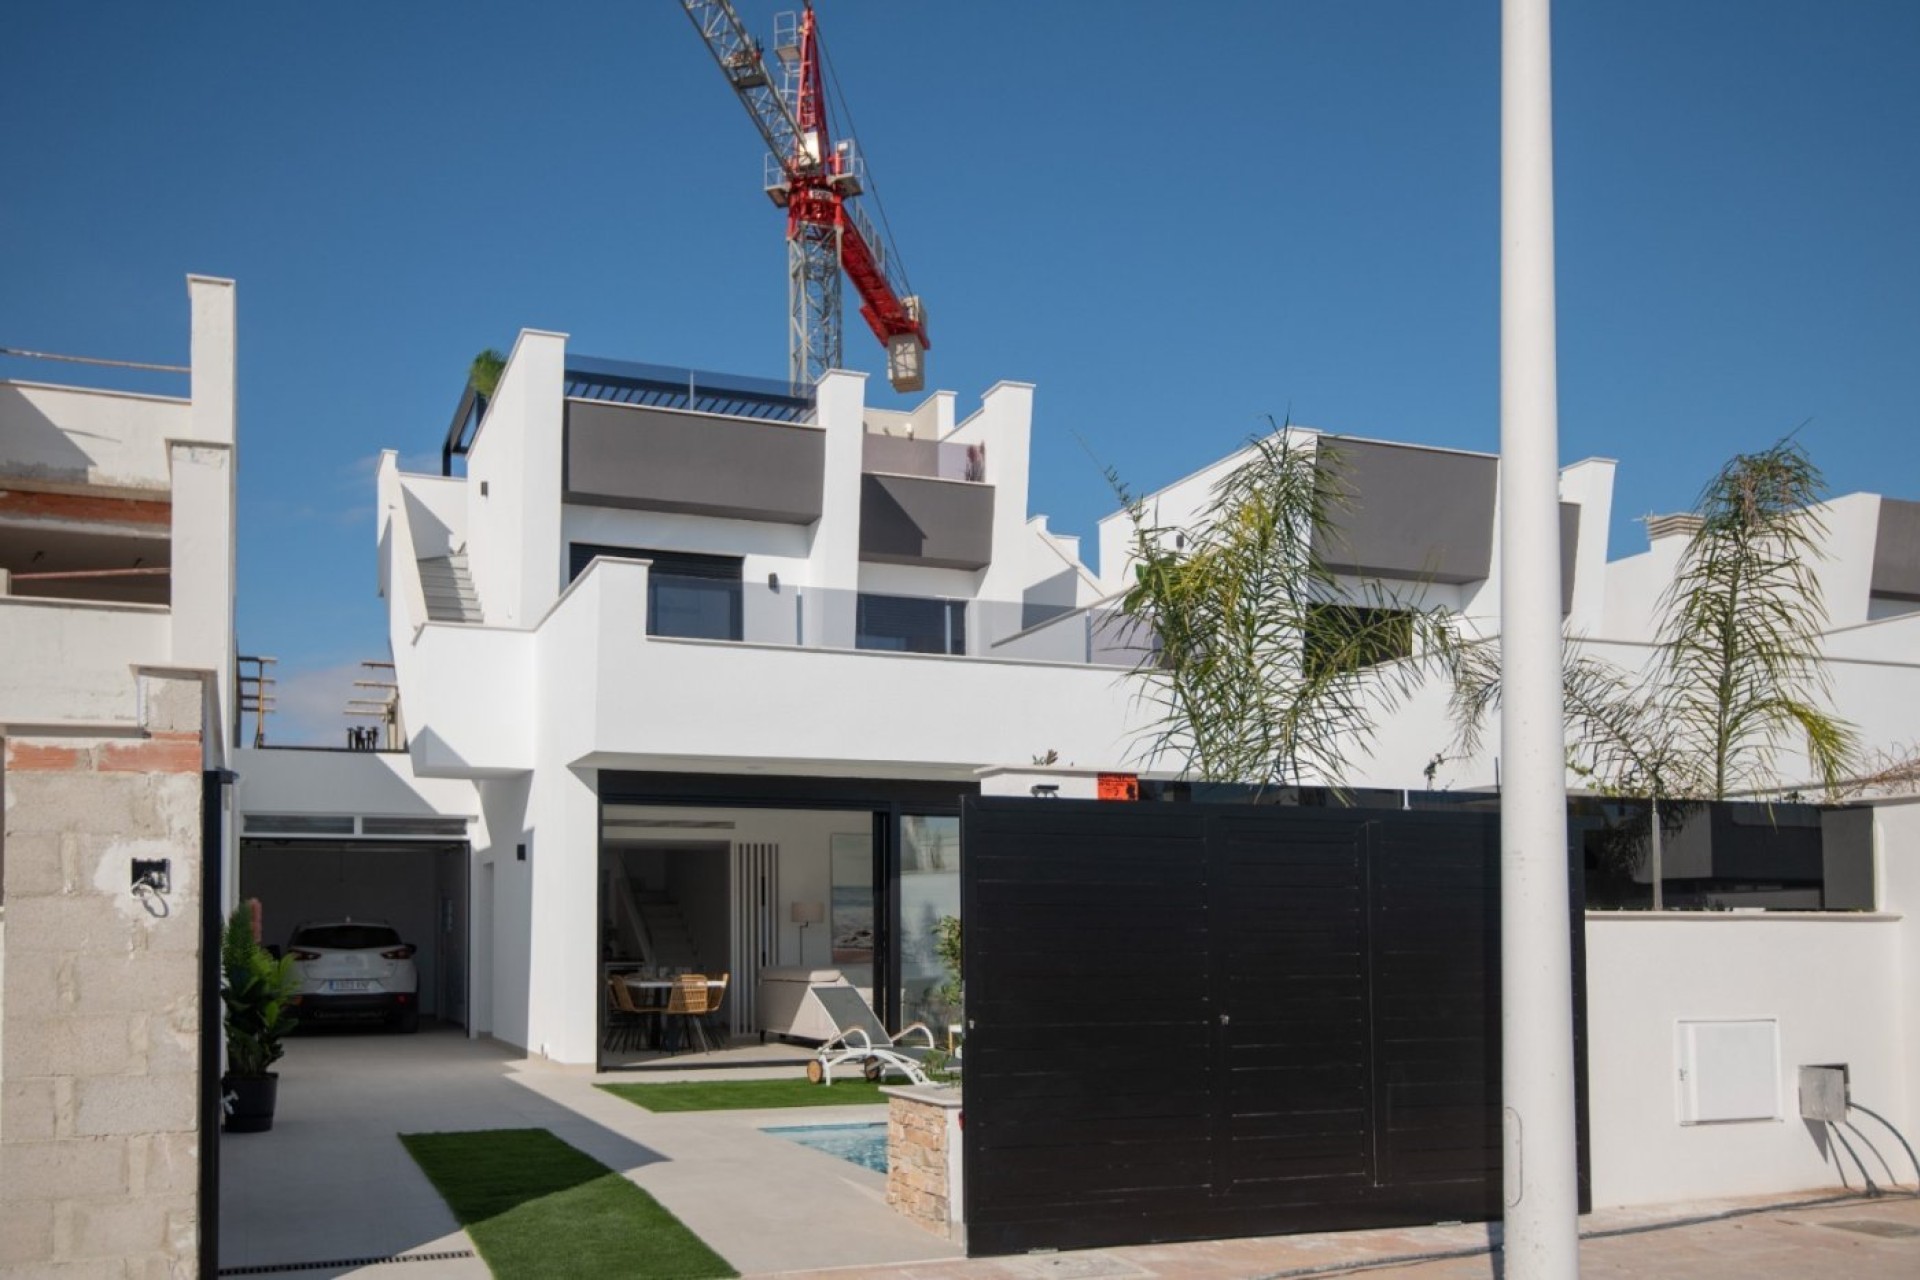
(862, 1144)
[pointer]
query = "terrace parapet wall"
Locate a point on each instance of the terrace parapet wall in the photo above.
(99, 997)
(923, 1158)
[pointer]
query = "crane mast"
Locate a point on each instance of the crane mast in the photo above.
(815, 179)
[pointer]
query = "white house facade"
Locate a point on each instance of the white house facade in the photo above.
(1424, 523)
(720, 661)
(694, 673)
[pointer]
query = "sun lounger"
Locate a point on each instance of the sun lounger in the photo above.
(861, 1039)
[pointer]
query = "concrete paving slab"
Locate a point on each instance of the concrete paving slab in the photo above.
(331, 1182)
(1765, 1238)
(761, 1201)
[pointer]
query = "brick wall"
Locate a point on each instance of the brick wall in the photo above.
(99, 995)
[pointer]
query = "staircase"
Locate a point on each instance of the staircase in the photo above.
(448, 587)
(672, 942)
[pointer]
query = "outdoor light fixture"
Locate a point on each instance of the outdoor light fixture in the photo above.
(804, 914)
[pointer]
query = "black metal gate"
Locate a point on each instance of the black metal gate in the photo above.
(1197, 1021)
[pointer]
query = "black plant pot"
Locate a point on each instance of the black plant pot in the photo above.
(252, 1102)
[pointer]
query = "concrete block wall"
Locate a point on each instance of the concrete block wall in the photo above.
(99, 996)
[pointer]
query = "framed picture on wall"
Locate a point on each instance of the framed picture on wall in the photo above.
(852, 901)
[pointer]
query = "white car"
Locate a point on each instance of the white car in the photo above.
(355, 969)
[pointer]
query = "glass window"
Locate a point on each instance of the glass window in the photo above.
(929, 894)
(852, 905)
(693, 608)
(911, 624)
(691, 597)
(346, 937)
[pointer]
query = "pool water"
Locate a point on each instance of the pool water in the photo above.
(863, 1144)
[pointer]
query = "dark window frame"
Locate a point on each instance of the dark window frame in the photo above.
(671, 570)
(948, 617)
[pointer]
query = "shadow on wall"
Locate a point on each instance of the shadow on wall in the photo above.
(36, 449)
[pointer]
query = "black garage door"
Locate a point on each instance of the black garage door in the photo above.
(1188, 1021)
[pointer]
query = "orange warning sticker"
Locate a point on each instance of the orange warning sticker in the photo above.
(1118, 786)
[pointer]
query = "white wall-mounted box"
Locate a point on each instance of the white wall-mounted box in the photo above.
(1728, 1070)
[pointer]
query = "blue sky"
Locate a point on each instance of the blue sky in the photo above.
(1173, 218)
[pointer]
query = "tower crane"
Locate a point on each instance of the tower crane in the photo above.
(815, 178)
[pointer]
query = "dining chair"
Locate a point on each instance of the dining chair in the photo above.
(643, 1009)
(623, 1018)
(687, 1007)
(716, 998)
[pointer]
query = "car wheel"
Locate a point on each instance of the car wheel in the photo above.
(407, 1021)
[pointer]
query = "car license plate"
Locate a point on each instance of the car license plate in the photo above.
(348, 984)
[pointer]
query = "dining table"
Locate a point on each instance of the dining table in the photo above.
(638, 984)
(654, 993)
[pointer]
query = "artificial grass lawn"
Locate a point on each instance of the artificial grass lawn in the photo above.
(537, 1207)
(741, 1095)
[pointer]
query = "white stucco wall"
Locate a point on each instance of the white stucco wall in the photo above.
(1180, 505)
(293, 780)
(112, 440)
(74, 662)
(1054, 559)
(1590, 483)
(899, 714)
(203, 582)
(1004, 426)
(605, 695)
(766, 551)
(1893, 639)
(513, 530)
(70, 663)
(503, 911)
(563, 993)
(477, 684)
(839, 408)
(1832, 984)
(1897, 849)
(1845, 567)
(437, 511)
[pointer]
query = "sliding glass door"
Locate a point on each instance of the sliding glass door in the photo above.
(929, 889)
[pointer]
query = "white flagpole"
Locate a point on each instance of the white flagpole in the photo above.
(1536, 1018)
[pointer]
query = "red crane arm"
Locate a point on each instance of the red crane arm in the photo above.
(829, 203)
(819, 179)
(884, 310)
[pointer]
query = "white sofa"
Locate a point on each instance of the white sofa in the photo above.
(782, 1007)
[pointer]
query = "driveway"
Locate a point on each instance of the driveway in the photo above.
(331, 1192)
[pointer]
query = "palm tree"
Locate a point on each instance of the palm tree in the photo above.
(483, 375)
(1266, 668)
(1739, 671)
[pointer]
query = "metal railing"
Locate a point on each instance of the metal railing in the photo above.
(690, 608)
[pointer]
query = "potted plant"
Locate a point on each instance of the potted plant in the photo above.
(950, 995)
(254, 988)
